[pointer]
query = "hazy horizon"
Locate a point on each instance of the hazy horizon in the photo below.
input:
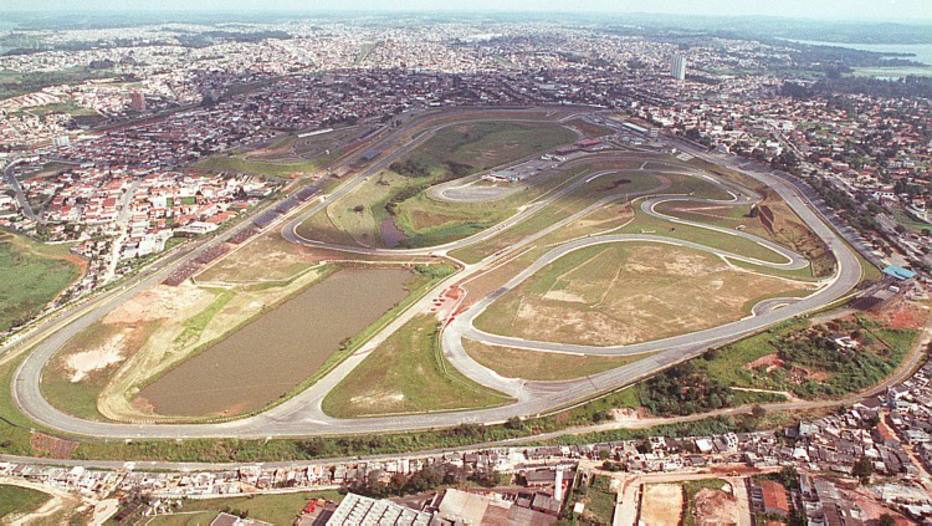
(900, 11)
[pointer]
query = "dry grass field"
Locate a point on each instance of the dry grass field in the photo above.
(629, 292)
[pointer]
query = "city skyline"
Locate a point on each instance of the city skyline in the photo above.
(902, 11)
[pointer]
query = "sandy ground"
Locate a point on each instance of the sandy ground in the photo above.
(85, 362)
(715, 507)
(661, 504)
(158, 302)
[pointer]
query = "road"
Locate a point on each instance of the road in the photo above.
(13, 182)
(912, 361)
(302, 414)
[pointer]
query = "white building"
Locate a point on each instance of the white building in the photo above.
(678, 67)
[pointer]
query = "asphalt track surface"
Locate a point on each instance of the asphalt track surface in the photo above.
(302, 414)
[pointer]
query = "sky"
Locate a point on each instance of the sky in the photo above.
(898, 10)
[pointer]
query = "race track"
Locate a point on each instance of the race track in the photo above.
(302, 414)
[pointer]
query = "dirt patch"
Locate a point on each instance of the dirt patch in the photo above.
(901, 314)
(661, 504)
(589, 129)
(53, 447)
(393, 397)
(714, 507)
(770, 361)
(562, 295)
(630, 292)
(82, 363)
(157, 303)
(871, 509)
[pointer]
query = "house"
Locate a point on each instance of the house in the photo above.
(899, 273)
(769, 497)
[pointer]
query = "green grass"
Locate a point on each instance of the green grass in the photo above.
(567, 205)
(360, 213)
(273, 508)
(893, 71)
(60, 107)
(238, 163)
(485, 144)
(407, 374)
(598, 499)
(80, 398)
(531, 365)
(31, 276)
(14, 499)
(454, 152)
(728, 363)
(195, 325)
(844, 372)
(75, 398)
(911, 223)
(14, 426)
(645, 224)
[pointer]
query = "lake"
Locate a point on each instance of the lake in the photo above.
(275, 352)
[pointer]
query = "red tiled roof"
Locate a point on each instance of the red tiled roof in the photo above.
(774, 496)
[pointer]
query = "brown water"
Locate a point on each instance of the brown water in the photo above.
(277, 351)
(392, 236)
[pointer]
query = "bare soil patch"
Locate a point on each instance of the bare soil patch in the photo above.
(156, 303)
(53, 447)
(628, 292)
(901, 314)
(715, 507)
(661, 504)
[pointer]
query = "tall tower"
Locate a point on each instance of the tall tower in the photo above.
(137, 101)
(678, 67)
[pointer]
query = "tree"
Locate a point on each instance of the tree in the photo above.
(886, 520)
(863, 469)
(758, 411)
(797, 518)
(515, 423)
(601, 416)
(789, 477)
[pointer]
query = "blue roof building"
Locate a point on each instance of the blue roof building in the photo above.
(899, 273)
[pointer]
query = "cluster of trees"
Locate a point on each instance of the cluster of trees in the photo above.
(410, 167)
(427, 478)
(786, 161)
(850, 371)
(684, 389)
